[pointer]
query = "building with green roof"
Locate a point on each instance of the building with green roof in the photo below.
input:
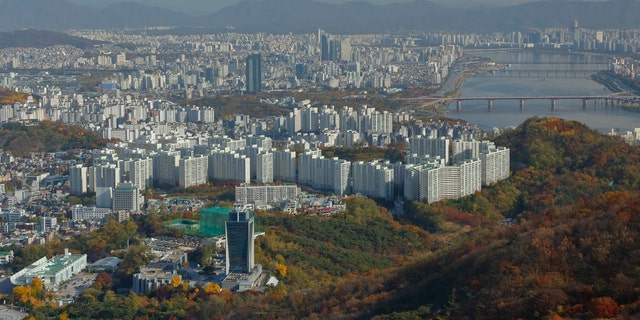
(52, 272)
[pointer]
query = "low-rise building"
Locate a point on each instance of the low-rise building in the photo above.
(52, 272)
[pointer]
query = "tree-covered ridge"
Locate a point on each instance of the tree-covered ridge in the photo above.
(46, 136)
(8, 96)
(321, 250)
(393, 153)
(31, 38)
(227, 106)
(555, 144)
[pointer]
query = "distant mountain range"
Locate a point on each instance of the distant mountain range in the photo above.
(301, 16)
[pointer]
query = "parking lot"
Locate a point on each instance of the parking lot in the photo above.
(76, 285)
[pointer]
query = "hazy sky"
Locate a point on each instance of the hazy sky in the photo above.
(201, 7)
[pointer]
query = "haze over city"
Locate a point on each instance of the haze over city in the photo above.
(199, 7)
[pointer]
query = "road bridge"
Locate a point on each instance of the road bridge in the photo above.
(542, 73)
(615, 99)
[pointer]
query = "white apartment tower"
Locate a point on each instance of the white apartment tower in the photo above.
(284, 165)
(78, 179)
(306, 166)
(227, 165)
(165, 168)
(193, 171)
(373, 179)
(264, 167)
(495, 165)
(432, 147)
(139, 172)
(261, 195)
(103, 175)
(421, 182)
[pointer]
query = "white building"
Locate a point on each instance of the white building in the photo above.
(78, 179)
(193, 171)
(432, 147)
(228, 165)
(306, 166)
(284, 165)
(103, 175)
(495, 165)
(139, 172)
(373, 179)
(79, 213)
(165, 168)
(261, 195)
(52, 272)
(264, 167)
(421, 182)
(434, 182)
(460, 180)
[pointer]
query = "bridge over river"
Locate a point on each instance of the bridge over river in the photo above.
(549, 70)
(614, 99)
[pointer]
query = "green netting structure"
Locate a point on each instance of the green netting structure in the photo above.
(189, 227)
(212, 221)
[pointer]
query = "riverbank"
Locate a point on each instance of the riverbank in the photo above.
(616, 83)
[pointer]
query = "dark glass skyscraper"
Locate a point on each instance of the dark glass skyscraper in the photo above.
(239, 230)
(324, 47)
(253, 73)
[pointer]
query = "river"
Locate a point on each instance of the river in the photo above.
(507, 113)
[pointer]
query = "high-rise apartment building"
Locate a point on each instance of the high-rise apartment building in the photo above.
(253, 73)
(165, 168)
(193, 171)
(432, 147)
(239, 243)
(78, 179)
(345, 50)
(264, 167)
(103, 175)
(227, 165)
(373, 179)
(138, 171)
(495, 165)
(284, 165)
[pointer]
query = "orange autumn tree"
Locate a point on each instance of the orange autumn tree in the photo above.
(8, 96)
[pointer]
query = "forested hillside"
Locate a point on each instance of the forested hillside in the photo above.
(46, 136)
(8, 96)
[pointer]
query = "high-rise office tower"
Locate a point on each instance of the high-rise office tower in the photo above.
(127, 197)
(575, 30)
(239, 231)
(334, 50)
(253, 73)
(324, 47)
(345, 50)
